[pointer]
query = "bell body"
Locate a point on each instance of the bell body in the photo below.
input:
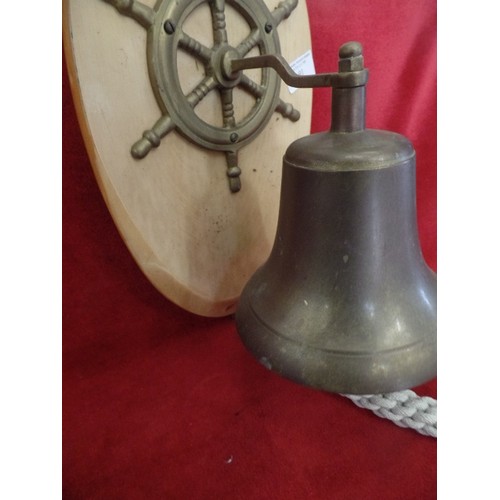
(345, 302)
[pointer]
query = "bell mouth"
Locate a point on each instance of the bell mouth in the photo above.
(338, 371)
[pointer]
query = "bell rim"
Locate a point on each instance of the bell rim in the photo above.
(337, 371)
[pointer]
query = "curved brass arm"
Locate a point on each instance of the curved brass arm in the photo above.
(343, 79)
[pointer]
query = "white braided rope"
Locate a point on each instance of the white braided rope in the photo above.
(404, 408)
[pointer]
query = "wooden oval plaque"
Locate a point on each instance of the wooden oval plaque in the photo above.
(196, 241)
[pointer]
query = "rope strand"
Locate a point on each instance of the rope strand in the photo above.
(404, 408)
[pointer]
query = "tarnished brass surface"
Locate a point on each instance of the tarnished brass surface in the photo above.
(280, 65)
(166, 36)
(345, 302)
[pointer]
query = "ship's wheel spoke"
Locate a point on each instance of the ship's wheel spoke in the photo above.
(283, 10)
(151, 138)
(201, 90)
(233, 172)
(218, 21)
(141, 13)
(195, 48)
(251, 87)
(227, 108)
(284, 108)
(251, 41)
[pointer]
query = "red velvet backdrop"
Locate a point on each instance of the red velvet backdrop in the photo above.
(159, 403)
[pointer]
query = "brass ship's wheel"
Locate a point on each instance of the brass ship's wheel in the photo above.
(166, 36)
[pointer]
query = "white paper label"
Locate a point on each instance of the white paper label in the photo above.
(303, 65)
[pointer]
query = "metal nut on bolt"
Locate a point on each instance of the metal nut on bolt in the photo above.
(351, 57)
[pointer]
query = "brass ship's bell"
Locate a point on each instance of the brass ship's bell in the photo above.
(345, 302)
